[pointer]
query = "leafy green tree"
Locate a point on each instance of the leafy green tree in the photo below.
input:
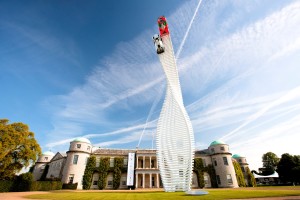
(270, 162)
(18, 148)
(88, 172)
(250, 178)
(117, 172)
(288, 167)
(199, 170)
(213, 177)
(239, 174)
(296, 173)
(103, 172)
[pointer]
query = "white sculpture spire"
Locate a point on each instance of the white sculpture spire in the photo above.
(175, 137)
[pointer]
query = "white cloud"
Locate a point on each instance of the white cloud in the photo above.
(225, 71)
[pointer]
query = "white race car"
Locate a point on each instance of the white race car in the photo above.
(160, 48)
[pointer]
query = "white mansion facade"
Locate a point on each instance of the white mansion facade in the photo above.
(69, 167)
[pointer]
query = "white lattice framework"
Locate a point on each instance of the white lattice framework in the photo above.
(175, 137)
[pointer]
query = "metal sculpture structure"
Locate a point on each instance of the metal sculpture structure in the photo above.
(175, 137)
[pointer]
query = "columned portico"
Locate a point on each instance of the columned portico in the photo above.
(146, 172)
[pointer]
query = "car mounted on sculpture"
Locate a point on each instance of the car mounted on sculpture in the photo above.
(160, 48)
(163, 26)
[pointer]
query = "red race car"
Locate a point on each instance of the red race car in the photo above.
(163, 26)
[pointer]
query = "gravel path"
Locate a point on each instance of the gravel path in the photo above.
(17, 195)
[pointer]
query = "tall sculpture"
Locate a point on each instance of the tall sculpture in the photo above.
(175, 137)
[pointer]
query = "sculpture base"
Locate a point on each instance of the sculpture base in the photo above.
(196, 192)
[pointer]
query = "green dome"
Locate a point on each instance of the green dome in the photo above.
(48, 153)
(216, 143)
(237, 156)
(82, 139)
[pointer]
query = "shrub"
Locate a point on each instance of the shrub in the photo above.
(88, 173)
(117, 171)
(6, 186)
(46, 185)
(212, 173)
(69, 186)
(250, 178)
(23, 182)
(103, 172)
(239, 174)
(199, 170)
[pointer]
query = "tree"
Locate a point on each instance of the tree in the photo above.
(88, 172)
(239, 174)
(199, 170)
(288, 168)
(250, 178)
(270, 161)
(18, 148)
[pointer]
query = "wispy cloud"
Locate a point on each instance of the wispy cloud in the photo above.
(291, 95)
(225, 74)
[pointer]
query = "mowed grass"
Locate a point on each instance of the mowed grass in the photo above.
(239, 193)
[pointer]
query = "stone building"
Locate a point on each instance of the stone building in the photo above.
(69, 167)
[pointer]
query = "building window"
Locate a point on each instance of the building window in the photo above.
(153, 182)
(206, 180)
(240, 160)
(212, 150)
(71, 178)
(109, 183)
(142, 163)
(95, 183)
(88, 148)
(75, 159)
(225, 160)
(42, 168)
(97, 161)
(229, 179)
(218, 180)
(222, 148)
(123, 180)
(46, 158)
(204, 162)
(125, 162)
(152, 163)
(111, 162)
(215, 162)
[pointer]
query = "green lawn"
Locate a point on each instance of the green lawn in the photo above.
(131, 195)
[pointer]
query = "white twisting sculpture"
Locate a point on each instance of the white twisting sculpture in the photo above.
(175, 137)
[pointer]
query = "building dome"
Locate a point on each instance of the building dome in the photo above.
(48, 153)
(216, 142)
(237, 156)
(82, 139)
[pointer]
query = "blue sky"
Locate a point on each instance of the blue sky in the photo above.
(89, 69)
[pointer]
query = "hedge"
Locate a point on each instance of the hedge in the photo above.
(69, 186)
(6, 186)
(45, 185)
(17, 186)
